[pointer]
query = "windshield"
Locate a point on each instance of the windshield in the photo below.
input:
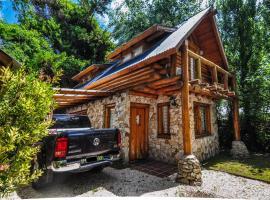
(69, 121)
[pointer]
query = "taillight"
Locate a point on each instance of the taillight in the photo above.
(119, 139)
(61, 146)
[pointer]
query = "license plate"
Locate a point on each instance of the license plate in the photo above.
(99, 158)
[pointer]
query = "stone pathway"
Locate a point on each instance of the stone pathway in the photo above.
(128, 182)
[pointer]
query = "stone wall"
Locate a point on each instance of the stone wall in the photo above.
(207, 146)
(169, 150)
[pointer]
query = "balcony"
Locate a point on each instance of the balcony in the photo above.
(209, 79)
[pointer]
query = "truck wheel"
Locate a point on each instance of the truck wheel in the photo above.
(44, 179)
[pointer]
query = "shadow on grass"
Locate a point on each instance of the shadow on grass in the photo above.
(257, 166)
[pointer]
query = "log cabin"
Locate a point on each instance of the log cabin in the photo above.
(160, 89)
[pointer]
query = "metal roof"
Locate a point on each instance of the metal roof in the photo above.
(172, 41)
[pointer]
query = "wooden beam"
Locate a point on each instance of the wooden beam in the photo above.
(146, 89)
(80, 91)
(136, 83)
(126, 77)
(164, 82)
(140, 76)
(139, 93)
(187, 141)
(68, 96)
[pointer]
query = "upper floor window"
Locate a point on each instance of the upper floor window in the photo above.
(163, 115)
(202, 119)
(127, 57)
(138, 51)
(109, 116)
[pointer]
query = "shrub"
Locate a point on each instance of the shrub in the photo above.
(25, 103)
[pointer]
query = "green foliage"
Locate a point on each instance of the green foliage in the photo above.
(244, 28)
(133, 17)
(58, 35)
(25, 103)
(70, 27)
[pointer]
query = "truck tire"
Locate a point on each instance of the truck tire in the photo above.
(45, 179)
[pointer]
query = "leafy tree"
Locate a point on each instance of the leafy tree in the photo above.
(57, 35)
(25, 103)
(70, 27)
(243, 25)
(133, 17)
(29, 46)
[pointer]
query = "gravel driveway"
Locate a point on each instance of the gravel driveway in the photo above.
(127, 182)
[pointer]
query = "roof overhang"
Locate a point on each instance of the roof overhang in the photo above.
(147, 33)
(66, 97)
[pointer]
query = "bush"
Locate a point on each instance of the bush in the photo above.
(25, 103)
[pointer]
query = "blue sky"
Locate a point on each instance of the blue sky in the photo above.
(7, 12)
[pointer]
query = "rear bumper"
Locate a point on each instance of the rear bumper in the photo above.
(63, 166)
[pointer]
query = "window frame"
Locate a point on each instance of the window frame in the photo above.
(197, 120)
(160, 128)
(107, 115)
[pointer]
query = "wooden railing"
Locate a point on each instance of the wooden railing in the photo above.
(214, 68)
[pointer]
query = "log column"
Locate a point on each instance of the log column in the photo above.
(239, 149)
(189, 169)
(185, 102)
(235, 109)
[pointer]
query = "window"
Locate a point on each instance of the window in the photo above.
(109, 116)
(138, 51)
(163, 113)
(202, 119)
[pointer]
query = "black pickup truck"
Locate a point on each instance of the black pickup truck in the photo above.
(73, 146)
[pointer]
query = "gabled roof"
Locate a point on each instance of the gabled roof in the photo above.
(162, 49)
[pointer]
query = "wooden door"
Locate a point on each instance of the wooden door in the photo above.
(138, 145)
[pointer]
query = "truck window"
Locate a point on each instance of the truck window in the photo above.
(62, 121)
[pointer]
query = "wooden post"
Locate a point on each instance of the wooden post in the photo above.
(236, 122)
(185, 102)
(225, 81)
(214, 75)
(236, 119)
(199, 69)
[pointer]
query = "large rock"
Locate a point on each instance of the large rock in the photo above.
(239, 150)
(189, 171)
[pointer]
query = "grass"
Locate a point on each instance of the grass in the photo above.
(256, 167)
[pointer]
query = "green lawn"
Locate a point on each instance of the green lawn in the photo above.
(256, 167)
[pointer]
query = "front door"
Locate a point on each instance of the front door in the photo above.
(139, 118)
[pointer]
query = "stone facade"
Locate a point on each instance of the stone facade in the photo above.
(169, 150)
